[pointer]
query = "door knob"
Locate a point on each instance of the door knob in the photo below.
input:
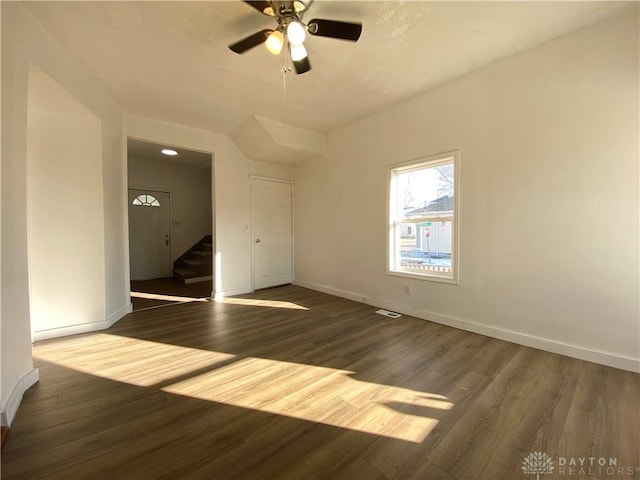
(257, 240)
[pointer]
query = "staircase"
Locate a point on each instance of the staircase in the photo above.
(196, 264)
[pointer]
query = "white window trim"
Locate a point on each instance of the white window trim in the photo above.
(418, 164)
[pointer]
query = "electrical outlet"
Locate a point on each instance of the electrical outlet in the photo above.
(407, 290)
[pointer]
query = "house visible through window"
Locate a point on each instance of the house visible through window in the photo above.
(146, 201)
(422, 219)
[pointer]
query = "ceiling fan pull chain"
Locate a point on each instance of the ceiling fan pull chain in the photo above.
(284, 96)
(286, 69)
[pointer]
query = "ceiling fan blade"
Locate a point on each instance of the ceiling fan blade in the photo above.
(251, 41)
(335, 29)
(307, 5)
(261, 6)
(301, 66)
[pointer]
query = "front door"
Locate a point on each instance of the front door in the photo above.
(149, 235)
(272, 232)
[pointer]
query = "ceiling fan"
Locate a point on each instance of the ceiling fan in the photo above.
(291, 31)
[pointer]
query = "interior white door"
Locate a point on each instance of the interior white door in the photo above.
(149, 234)
(272, 233)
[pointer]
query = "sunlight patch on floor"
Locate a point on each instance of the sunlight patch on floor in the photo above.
(318, 394)
(307, 392)
(168, 298)
(137, 362)
(251, 302)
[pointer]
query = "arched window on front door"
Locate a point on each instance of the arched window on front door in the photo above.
(146, 201)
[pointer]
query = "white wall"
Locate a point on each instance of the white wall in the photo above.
(549, 176)
(191, 205)
(25, 43)
(64, 191)
(231, 191)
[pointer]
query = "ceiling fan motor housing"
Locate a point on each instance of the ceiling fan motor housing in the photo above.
(288, 14)
(284, 9)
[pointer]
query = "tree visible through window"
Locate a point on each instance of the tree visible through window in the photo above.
(422, 208)
(146, 201)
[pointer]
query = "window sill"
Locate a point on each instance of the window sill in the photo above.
(423, 276)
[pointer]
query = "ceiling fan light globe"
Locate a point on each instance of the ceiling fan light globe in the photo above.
(274, 42)
(298, 52)
(296, 33)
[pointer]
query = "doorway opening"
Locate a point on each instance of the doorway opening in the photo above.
(170, 224)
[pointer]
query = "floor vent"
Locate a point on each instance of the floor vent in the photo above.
(389, 314)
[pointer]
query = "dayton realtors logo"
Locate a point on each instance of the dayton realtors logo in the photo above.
(537, 463)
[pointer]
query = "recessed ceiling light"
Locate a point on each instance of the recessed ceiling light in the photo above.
(168, 151)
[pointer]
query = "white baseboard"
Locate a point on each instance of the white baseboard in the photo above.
(114, 317)
(15, 397)
(356, 297)
(83, 327)
(70, 330)
(540, 343)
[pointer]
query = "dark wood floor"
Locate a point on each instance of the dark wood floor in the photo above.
(290, 383)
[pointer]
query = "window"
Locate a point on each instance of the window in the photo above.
(422, 218)
(146, 201)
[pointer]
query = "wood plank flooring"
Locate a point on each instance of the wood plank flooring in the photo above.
(290, 383)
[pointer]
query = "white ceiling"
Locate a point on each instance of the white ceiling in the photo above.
(169, 59)
(153, 152)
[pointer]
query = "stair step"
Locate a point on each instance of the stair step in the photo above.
(201, 278)
(183, 272)
(196, 262)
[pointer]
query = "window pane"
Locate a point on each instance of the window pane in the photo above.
(422, 218)
(425, 191)
(146, 200)
(425, 247)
